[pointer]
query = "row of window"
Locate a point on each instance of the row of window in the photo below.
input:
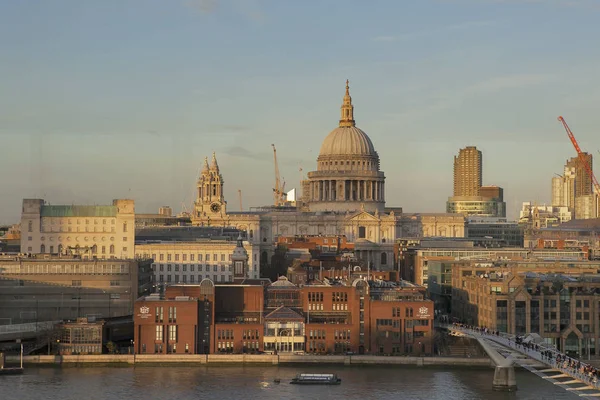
(94, 249)
(184, 268)
(317, 334)
(315, 296)
(78, 229)
(84, 269)
(184, 278)
(159, 314)
(172, 333)
(184, 257)
(225, 334)
(339, 296)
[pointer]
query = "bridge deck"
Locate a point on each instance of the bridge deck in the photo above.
(533, 361)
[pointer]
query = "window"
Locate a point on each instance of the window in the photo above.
(42, 249)
(161, 257)
(159, 333)
(124, 226)
(383, 258)
(199, 257)
(176, 257)
(112, 249)
(30, 226)
(222, 257)
(207, 257)
(184, 257)
(115, 283)
(103, 249)
(172, 314)
(173, 333)
(168, 257)
(124, 249)
(362, 232)
(75, 283)
(124, 238)
(158, 317)
(191, 257)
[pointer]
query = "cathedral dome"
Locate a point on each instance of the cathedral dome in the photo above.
(347, 141)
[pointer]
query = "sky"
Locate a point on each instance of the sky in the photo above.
(124, 98)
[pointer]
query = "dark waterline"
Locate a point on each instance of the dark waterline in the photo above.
(256, 382)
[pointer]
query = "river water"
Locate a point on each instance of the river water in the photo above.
(256, 382)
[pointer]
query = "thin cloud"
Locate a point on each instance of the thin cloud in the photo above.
(448, 100)
(250, 9)
(204, 6)
(435, 31)
(590, 4)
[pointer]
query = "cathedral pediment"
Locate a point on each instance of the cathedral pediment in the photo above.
(363, 216)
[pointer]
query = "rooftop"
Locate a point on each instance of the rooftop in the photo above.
(78, 211)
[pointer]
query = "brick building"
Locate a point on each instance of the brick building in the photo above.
(563, 309)
(326, 317)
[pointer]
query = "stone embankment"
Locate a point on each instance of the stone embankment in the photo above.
(230, 359)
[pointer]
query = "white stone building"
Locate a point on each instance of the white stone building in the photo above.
(105, 231)
(190, 262)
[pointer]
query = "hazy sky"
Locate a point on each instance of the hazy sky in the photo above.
(123, 99)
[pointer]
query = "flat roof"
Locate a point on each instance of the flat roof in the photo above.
(78, 211)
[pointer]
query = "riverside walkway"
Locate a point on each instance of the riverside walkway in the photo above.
(541, 359)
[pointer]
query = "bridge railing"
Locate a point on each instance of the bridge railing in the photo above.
(27, 327)
(550, 359)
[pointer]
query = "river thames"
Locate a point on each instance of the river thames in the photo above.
(256, 382)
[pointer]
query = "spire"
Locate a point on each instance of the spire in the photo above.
(347, 118)
(213, 164)
(205, 166)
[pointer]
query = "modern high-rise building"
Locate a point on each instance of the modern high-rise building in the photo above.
(470, 198)
(574, 189)
(468, 172)
(583, 179)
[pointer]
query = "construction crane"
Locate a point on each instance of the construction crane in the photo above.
(240, 196)
(581, 156)
(279, 189)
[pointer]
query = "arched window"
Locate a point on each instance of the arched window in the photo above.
(60, 249)
(43, 248)
(383, 258)
(112, 249)
(94, 249)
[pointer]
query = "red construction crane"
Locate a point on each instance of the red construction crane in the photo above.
(582, 158)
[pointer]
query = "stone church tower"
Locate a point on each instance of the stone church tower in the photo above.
(210, 201)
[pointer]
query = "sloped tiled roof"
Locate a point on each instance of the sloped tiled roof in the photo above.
(283, 314)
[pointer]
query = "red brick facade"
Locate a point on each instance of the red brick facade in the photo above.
(367, 318)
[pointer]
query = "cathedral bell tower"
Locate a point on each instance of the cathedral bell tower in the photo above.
(210, 202)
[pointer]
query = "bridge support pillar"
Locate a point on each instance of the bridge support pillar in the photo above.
(504, 379)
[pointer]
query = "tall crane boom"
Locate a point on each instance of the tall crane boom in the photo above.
(581, 156)
(278, 190)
